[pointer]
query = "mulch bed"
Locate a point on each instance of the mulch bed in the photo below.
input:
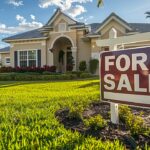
(111, 132)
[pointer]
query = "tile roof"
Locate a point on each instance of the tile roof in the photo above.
(136, 27)
(140, 27)
(94, 27)
(26, 35)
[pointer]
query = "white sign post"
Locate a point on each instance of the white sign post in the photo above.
(112, 42)
(114, 106)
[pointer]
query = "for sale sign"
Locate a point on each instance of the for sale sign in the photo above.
(125, 76)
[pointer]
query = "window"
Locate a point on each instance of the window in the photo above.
(62, 27)
(106, 49)
(28, 58)
(7, 60)
(32, 58)
(23, 59)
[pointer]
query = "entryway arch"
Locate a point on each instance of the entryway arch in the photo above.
(64, 55)
(62, 36)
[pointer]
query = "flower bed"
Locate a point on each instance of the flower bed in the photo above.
(28, 69)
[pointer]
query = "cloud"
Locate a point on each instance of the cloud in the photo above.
(76, 11)
(16, 3)
(20, 18)
(23, 25)
(66, 5)
(2, 44)
(85, 19)
(32, 17)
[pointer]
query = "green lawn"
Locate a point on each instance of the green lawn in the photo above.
(27, 115)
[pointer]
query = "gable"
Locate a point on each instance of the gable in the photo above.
(121, 30)
(114, 18)
(61, 17)
(58, 15)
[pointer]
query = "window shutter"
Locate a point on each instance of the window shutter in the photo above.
(39, 57)
(15, 59)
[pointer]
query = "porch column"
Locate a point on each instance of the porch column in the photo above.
(51, 57)
(74, 55)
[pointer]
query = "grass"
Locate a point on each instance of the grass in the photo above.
(27, 115)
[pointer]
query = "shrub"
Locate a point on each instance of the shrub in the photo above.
(85, 75)
(82, 66)
(96, 123)
(29, 76)
(6, 77)
(6, 69)
(28, 73)
(28, 69)
(77, 73)
(69, 67)
(93, 65)
(75, 113)
(46, 73)
(50, 68)
(134, 123)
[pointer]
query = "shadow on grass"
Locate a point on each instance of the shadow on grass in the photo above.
(5, 84)
(90, 84)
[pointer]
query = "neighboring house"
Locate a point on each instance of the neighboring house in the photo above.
(5, 56)
(61, 33)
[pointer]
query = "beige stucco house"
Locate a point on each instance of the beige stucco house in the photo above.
(61, 33)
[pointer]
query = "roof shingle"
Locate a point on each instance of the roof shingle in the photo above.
(26, 35)
(34, 34)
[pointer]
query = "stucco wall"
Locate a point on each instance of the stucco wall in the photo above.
(29, 46)
(83, 49)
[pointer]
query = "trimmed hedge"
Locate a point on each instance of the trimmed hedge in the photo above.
(36, 77)
(85, 75)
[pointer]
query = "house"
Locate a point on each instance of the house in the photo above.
(63, 38)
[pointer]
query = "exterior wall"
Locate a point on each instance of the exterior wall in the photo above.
(83, 49)
(3, 57)
(35, 45)
(94, 47)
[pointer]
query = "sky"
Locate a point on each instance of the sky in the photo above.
(18, 16)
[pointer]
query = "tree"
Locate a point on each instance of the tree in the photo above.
(100, 2)
(147, 14)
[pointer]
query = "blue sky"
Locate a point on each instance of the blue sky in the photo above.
(22, 15)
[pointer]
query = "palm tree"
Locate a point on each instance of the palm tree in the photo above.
(100, 2)
(147, 14)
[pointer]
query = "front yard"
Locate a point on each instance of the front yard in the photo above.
(28, 115)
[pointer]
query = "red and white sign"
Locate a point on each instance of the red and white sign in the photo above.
(125, 76)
